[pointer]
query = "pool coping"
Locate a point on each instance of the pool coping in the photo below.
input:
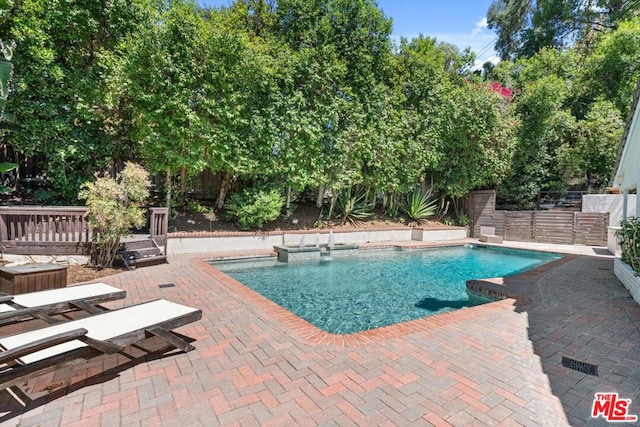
(493, 288)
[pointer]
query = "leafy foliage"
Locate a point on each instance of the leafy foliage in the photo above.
(525, 27)
(254, 207)
(58, 106)
(6, 52)
(629, 234)
(114, 208)
(314, 95)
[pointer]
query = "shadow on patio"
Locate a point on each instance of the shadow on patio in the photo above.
(577, 309)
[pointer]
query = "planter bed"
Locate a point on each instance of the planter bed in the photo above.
(628, 277)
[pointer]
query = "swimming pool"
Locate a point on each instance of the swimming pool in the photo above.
(380, 287)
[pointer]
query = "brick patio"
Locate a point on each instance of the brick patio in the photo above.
(256, 364)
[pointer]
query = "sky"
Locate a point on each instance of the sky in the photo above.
(462, 23)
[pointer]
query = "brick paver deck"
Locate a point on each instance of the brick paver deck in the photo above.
(256, 364)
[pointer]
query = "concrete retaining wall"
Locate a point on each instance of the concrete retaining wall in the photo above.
(427, 235)
(184, 244)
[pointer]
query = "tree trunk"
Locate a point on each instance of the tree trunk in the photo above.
(224, 187)
(332, 204)
(183, 179)
(288, 197)
(167, 186)
(320, 197)
(16, 160)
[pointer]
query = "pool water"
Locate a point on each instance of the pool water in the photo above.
(380, 287)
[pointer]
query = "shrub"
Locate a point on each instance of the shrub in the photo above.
(195, 206)
(629, 234)
(254, 207)
(419, 205)
(463, 219)
(114, 208)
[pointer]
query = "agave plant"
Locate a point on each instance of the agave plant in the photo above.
(419, 205)
(353, 206)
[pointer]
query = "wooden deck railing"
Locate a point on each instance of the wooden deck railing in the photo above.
(159, 226)
(60, 230)
(32, 230)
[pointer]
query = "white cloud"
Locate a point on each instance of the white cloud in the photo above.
(480, 25)
(480, 39)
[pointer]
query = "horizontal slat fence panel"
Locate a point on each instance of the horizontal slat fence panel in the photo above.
(591, 228)
(518, 226)
(553, 227)
(497, 218)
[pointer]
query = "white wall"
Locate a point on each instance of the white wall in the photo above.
(628, 173)
(611, 203)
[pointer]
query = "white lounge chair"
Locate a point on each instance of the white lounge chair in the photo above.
(37, 304)
(39, 351)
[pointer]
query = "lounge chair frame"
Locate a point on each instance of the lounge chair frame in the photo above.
(29, 306)
(14, 372)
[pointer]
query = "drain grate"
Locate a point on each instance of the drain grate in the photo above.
(576, 365)
(167, 285)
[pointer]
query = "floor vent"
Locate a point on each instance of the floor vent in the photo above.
(576, 365)
(167, 285)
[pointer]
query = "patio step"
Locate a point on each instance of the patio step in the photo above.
(141, 253)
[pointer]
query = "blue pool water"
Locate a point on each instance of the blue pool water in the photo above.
(381, 287)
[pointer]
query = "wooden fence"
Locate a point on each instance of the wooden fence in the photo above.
(581, 228)
(52, 230)
(563, 227)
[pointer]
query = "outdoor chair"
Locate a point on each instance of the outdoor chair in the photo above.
(29, 354)
(43, 304)
(488, 235)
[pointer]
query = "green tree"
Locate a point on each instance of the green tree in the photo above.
(478, 140)
(56, 107)
(592, 156)
(344, 52)
(537, 105)
(6, 50)
(525, 27)
(614, 67)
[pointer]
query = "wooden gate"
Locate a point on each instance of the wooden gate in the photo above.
(480, 205)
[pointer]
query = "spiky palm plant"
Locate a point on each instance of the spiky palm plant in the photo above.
(419, 205)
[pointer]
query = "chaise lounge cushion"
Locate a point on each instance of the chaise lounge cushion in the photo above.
(91, 293)
(119, 327)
